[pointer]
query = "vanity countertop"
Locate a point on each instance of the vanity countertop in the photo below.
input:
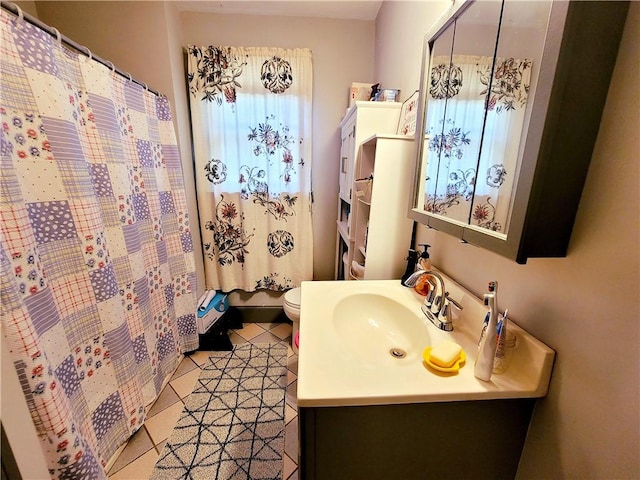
(343, 364)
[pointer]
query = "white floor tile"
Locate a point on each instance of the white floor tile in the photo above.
(236, 339)
(250, 330)
(137, 446)
(282, 330)
(289, 466)
(200, 357)
(166, 398)
(289, 414)
(139, 469)
(161, 425)
(184, 385)
(186, 365)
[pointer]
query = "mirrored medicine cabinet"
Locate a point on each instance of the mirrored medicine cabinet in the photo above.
(511, 97)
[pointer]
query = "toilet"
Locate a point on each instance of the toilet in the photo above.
(291, 307)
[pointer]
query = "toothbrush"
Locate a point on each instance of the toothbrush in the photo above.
(502, 321)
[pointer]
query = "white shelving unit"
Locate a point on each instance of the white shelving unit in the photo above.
(361, 121)
(382, 230)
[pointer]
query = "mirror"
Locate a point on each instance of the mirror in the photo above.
(478, 78)
(462, 59)
(511, 97)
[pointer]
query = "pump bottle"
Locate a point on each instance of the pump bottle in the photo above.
(423, 286)
(487, 346)
(424, 262)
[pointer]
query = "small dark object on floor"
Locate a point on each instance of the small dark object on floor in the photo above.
(217, 337)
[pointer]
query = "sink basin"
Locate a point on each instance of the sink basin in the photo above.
(379, 330)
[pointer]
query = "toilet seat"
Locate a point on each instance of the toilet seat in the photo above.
(292, 298)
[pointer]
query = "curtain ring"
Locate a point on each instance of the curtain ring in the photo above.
(129, 75)
(145, 86)
(58, 36)
(20, 14)
(112, 66)
(89, 54)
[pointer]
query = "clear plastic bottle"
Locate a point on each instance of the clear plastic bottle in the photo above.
(504, 351)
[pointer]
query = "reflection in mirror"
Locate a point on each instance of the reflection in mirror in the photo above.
(509, 89)
(511, 93)
(440, 87)
(478, 90)
(456, 108)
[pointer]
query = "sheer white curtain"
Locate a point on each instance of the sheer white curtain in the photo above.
(472, 154)
(251, 121)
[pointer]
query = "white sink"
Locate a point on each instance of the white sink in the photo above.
(348, 330)
(380, 330)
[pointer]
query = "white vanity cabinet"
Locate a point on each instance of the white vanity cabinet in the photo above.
(361, 121)
(381, 233)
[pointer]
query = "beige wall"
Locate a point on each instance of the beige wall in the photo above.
(400, 30)
(28, 6)
(585, 306)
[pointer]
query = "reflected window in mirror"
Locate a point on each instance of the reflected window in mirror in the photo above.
(441, 87)
(457, 101)
(521, 35)
(478, 91)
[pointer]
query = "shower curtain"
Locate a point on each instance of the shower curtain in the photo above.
(97, 267)
(251, 123)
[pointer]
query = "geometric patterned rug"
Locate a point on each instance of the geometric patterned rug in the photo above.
(232, 425)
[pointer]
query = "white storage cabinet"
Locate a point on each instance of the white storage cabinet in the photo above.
(361, 121)
(382, 230)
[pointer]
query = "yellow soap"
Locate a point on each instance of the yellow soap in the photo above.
(445, 353)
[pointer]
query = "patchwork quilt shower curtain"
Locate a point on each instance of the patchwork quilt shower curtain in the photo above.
(251, 122)
(97, 268)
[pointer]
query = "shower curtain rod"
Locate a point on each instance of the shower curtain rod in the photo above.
(13, 8)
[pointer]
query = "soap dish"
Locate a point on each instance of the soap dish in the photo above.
(426, 356)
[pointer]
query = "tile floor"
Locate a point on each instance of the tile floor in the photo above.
(139, 456)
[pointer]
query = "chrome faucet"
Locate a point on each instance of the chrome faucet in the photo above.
(437, 305)
(435, 296)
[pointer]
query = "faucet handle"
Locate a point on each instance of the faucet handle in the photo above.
(455, 304)
(431, 295)
(445, 312)
(437, 304)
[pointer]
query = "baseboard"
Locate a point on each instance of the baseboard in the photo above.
(263, 315)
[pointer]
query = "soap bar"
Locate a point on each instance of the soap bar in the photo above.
(445, 353)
